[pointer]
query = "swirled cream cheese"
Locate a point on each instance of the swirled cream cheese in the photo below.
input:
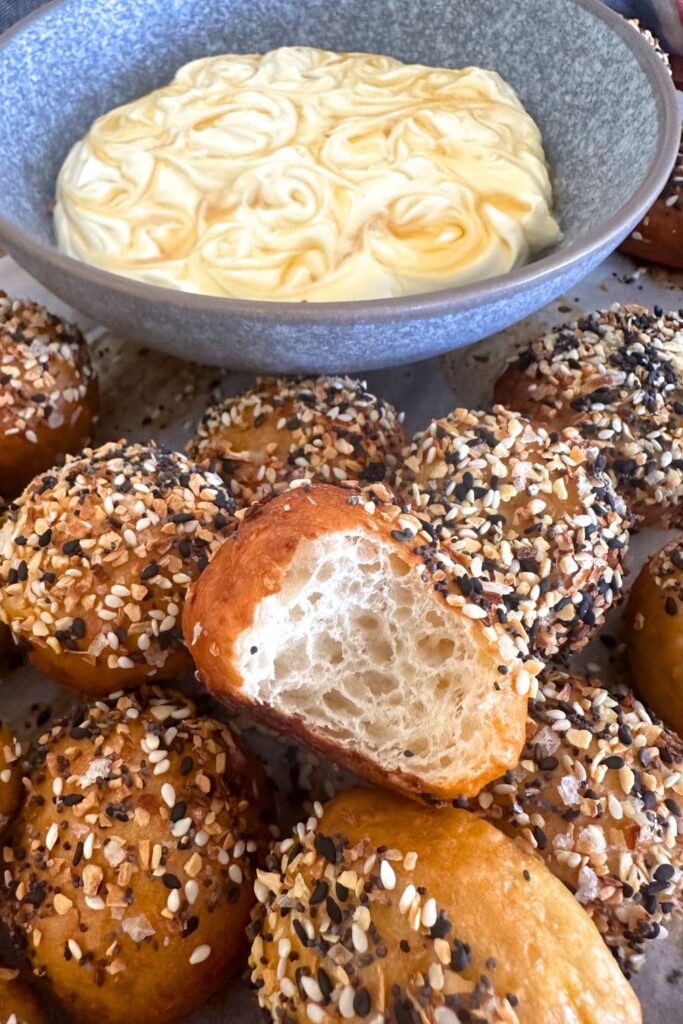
(302, 174)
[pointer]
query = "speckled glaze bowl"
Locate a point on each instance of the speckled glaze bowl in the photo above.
(603, 100)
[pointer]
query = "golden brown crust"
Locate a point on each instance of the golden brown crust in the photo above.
(430, 902)
(617, 376)
(535, 519)
(658, 238)
(18, 1003)
(253, 564)
(596, 795)
(654, 625)
(10, 775)
(326, 429)
(48, 392)
(130, 867)
(95, 560)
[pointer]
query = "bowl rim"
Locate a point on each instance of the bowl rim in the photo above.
(424, 304)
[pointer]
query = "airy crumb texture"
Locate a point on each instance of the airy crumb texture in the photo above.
(597, 794)
(531, 518)
(48, 391)
(327, 429)
(18, 1003)
(617, 375)
(129, 871)
(354, 646)
(335, 617)
(96, 557)
(378, 910)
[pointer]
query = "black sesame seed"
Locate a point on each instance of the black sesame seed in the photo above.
(333, 911)
(117, 812)
(320, 892)
(301, 933)
(178, 811)
(441, 927)
(326, 848)
(324, 984)
(35, 896)
(460, 955)
(361, 1003)
(625, 735)
(665, 872)
(78, 628)
(540, 837)
(171, 881)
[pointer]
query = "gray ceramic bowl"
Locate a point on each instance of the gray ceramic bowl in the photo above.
(605, 105)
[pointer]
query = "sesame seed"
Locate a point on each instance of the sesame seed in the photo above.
(52, 836)
(359, 939)
(200, 954)
(387, 875)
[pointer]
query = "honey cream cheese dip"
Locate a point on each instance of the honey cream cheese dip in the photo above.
(302, 174)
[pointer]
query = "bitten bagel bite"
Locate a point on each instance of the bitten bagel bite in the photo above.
(48, 392)
(129, 871)
(330, 617)
(327, 429)
(597, 796)
(617, 376)
(386, 911)
(96, 557)
(654, 632)
(531, 510)
(658, 238)
(18, 1003)
(10, 775)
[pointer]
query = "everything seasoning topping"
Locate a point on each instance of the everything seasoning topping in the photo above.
(595, 794)
(96, 556)
(327, 429)
(45, 369)
(327, 967)
(618, 376)
(114, 860)
(533, 530)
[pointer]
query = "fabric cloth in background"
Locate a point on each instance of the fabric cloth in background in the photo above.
(663, 17)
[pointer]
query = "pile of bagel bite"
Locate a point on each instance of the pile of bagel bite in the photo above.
(407, 607)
